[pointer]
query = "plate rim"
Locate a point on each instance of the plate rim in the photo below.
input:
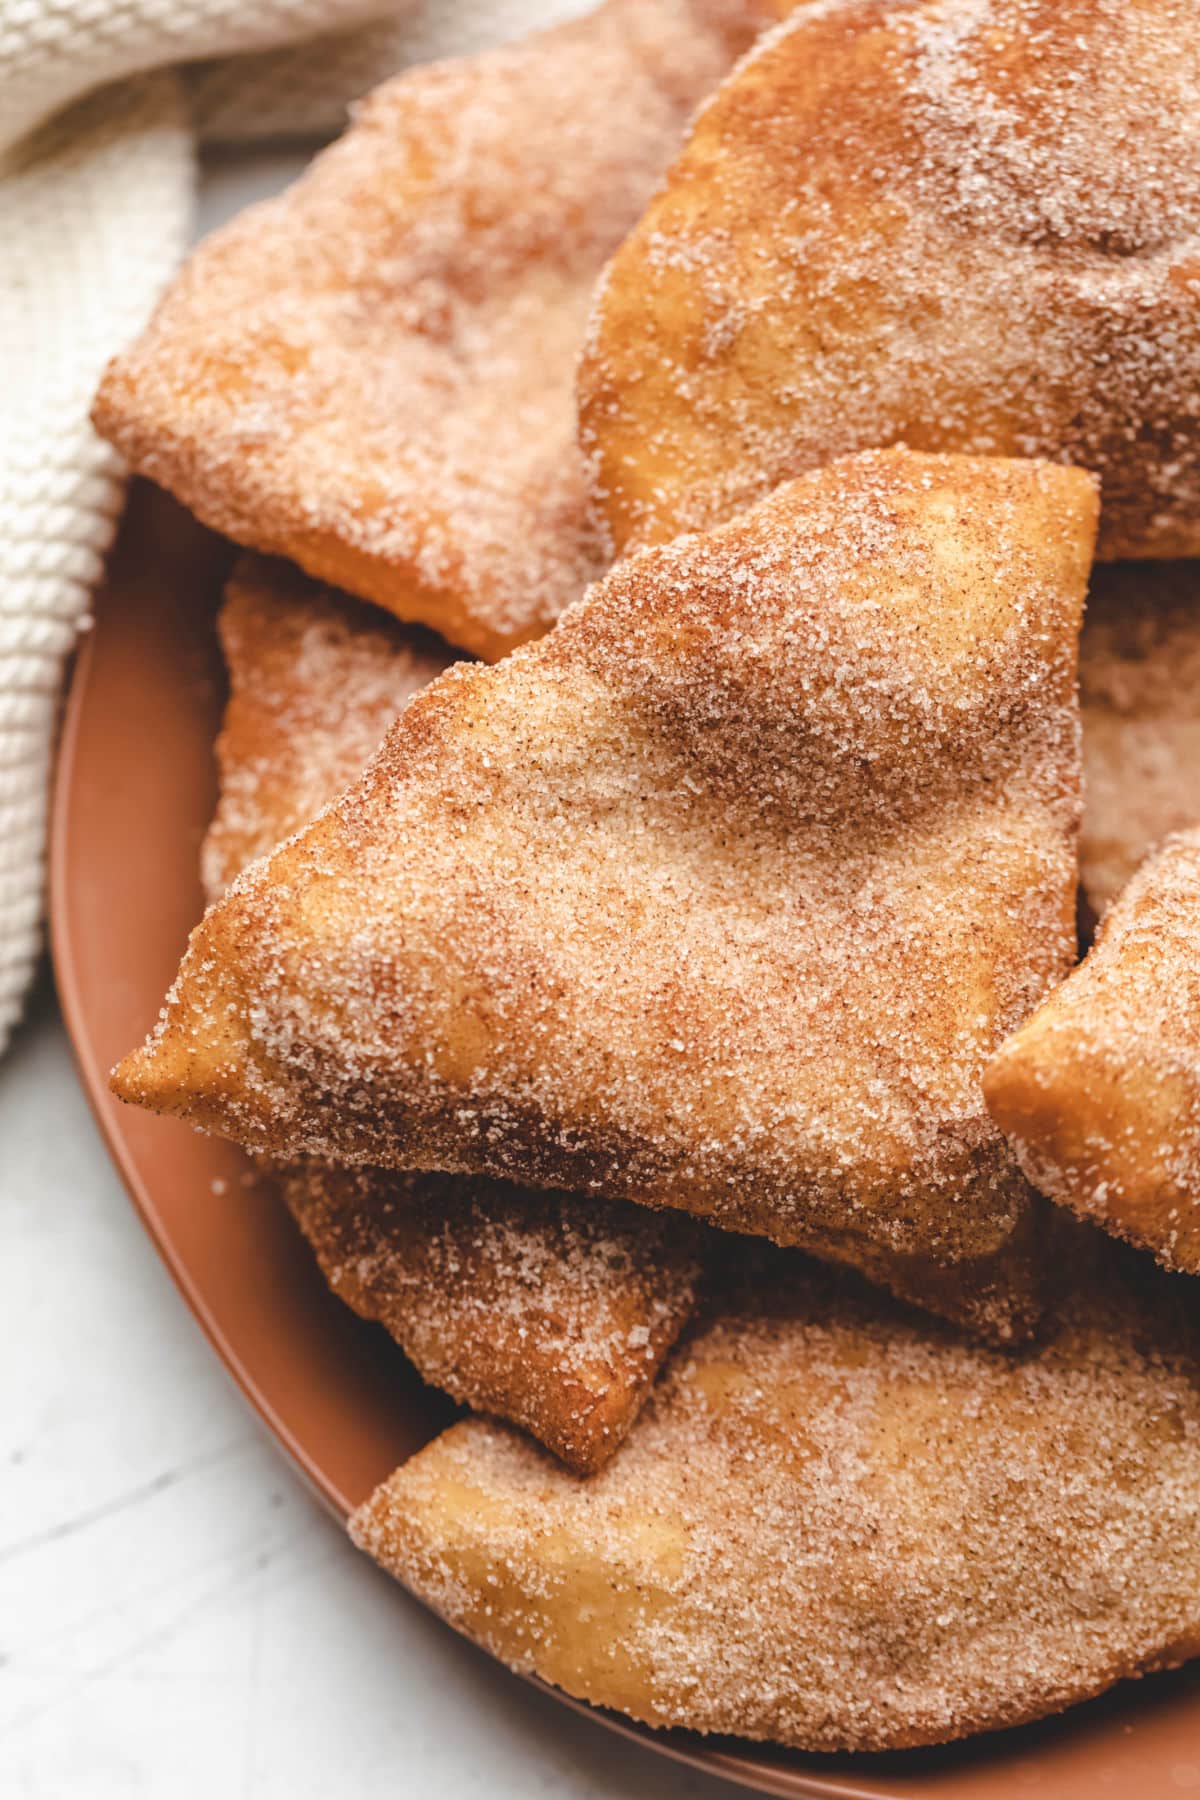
(95, 1088)
(707, 1757)
(758, 1767)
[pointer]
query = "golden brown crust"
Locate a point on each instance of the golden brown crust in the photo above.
(315, 679)
(969, 229)
(717, 898)
(1100, 1090)
(543, 1309)
(839, 1527)
(1000, 1297)
(1139, 686)
(373, 374)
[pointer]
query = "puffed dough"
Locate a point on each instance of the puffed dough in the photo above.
(966, 227)
(374, 373)
(839, 1527)
(717, 898)
(551, 1310)
(547, 1309)
(1099, 1092)
(315, 679)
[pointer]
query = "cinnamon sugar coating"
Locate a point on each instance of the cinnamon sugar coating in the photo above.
(1139, 686)
(719, 897)
(315, 680)
(839, 1527)
(1099, 1091)
(542, 1308)
(373, 374)
(547, 1309)
(967, 227)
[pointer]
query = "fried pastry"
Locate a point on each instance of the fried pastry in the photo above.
(719, 897)
(1099, 1092)
(545, 1309)
(1139, 685)
(373, 374)
(315, 680)
(965, 228)
(840, 1527)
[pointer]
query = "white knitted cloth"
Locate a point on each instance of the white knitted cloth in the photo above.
(95, 211)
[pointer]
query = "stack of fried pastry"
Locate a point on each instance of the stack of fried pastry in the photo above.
(670, 1027)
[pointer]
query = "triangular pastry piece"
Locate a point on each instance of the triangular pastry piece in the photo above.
(840, 1527)
(551, 1310)
(315, 679)
(718, 898)
(1099, 1091)
(1139, 687)
(374, 373)
(962, 227)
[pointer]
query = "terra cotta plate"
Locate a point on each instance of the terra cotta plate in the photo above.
(134, 792)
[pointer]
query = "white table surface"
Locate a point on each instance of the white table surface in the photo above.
(178, 1618)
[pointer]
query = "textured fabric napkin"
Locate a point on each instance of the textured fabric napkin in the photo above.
(101, 106)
